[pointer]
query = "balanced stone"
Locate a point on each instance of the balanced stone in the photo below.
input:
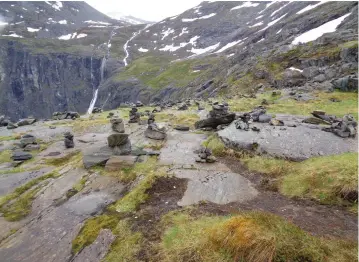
(69, 140)
(27, 139)
(154, 132)
(117, 139)
(135, 116)
(117, 125)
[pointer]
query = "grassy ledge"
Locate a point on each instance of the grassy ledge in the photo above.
(17, 204)
(250, 237)
(327, 179)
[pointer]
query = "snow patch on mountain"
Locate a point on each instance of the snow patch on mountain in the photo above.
(30, 29)
(200, 51)
(228, 46)
(245, 4)
(186, 20)
(257, 24)
(167, 33)
(273, 22)
(310, 7)
(57, 5)
(315, 33)
(96, 22)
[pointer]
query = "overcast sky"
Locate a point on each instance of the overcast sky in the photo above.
(151, 10)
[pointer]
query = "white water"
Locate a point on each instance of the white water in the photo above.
(125, 46)
(102, 71)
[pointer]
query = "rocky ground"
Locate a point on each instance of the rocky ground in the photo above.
(90, 199)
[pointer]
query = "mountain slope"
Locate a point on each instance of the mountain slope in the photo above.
(233, 45)
(50, 19)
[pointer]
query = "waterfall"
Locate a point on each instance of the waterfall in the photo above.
(125, 46)
(102, 72)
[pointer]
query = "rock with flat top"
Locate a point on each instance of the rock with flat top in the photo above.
(117, 139)
(118, 162)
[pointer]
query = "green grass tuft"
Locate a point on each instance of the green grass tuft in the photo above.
(91, 229)
(126, 246)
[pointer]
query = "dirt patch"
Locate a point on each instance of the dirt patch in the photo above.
(163, 198)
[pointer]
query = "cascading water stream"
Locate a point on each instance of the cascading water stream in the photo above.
(125, 46)
(102, 71)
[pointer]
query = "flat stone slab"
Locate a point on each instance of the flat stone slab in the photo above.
(294, 143)
(8, 182)
(216, 187)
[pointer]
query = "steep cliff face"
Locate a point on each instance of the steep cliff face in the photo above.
(39, 84)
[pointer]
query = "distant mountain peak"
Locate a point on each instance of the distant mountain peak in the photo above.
(128, 18)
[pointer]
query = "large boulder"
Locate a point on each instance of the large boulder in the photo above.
(96, 155)
(347, 83)
(26, 121)
(293, 143)
(118, 139)
(213, 122)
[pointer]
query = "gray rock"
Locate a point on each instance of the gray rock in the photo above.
(264, 118)
(32, 147)
(240, 124)
(117, 139)
(25, 122)
(276, 122)
(96, 155)
(213, 122)
(181, 128)
(346, 84)
(21, 156)
(154, 132)
(11, 125)
(26, 140)
(296, 144)
(117, 125)
(69, 140)
(119, 162)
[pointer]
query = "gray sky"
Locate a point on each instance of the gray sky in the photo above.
(152, 10)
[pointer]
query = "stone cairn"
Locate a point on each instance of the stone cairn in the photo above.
(205, 156)
(117, 125)
(343, 127)
(153, 131)
(96, 110)
(65, 115)
(135, 116)
(257, 115)
(69, 140)
(118, 140)
(151, 119)
(219, 115)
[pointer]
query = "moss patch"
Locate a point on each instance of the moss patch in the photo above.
(91, 229)
(5, 156)
(23, 197)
